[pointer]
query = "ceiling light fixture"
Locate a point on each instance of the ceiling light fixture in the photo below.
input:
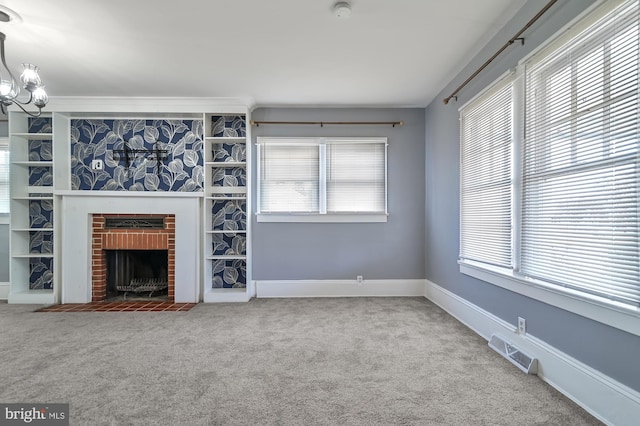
(29, 79)
(342, 10)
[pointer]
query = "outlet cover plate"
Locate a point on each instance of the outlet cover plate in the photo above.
(522, 325)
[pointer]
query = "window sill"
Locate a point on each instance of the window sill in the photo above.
(4, 219)
(322, 218)
(614, 314)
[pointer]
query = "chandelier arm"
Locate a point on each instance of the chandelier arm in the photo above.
(19, 105)
(4, 62)
(17, 101)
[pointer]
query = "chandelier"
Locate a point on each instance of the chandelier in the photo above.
(29, 80)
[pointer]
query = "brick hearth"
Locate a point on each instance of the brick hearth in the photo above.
(129, 239)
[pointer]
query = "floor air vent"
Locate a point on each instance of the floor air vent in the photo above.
(518, 358)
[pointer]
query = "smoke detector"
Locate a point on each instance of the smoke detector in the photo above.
(342, 10)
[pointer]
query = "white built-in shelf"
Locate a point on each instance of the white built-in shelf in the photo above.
(228, 231)
(216, 194)
(228, 257)
(34, 136)
(34, 163)
(240, 139)
(22, 196)
(33, 255)
(228, 189)
(35, 197)
(226, 163)
(226, 198)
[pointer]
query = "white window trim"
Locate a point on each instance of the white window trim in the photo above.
(328, 217)
(606, 311)
(323, 216)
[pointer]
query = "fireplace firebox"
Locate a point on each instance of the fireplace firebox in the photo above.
(137, 272)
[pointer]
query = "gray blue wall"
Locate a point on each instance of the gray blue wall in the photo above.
(604, 348)
(327, 251)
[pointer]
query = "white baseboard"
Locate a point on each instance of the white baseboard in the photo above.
(605, 398)
(4, 291)
(339, 288)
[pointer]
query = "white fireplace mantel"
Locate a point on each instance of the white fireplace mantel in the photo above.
(77, 208)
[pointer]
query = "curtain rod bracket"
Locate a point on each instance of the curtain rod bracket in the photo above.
(446, 100)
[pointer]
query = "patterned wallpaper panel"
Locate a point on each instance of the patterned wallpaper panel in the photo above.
(41, 273)
(229, 176)
(40, 150)
(223, 152)
(229, 244)
(228, 126)
(41, 214)
(92, 140)
(229, 274)
(229, 215)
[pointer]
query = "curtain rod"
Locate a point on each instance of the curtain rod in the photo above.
(323, 123)
(502, 49)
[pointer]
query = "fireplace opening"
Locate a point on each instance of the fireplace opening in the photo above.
(137, 274)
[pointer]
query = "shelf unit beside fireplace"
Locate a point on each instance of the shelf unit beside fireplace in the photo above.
(226, 271)
(32, 210)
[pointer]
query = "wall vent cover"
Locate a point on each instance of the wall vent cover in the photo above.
(134, 222)
(524, 362)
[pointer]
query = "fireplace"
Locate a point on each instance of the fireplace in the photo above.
(132, 254)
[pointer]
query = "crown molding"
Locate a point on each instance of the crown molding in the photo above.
(166, 105)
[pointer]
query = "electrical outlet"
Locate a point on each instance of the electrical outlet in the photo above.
(97, 165)
(522, 325)
(359, 279)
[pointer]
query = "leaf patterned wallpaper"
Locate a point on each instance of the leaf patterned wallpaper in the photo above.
(92, 140)
(40, 211)
(229, 274)
(228, 126)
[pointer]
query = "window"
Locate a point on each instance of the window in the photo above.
(580, 171)
(322, 179)
(4, 176)
(549, 195)
(485, 176)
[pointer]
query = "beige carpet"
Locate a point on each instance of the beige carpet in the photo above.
(366, 361)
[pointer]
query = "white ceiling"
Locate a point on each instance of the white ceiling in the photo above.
(280, 52)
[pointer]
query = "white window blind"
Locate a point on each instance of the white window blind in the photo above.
(322, 176)
(4, 176)
(486, 128)
(289, 178)
(356, 177)
(581, 161)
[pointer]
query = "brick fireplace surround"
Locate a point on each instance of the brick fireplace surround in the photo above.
(129, 239)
